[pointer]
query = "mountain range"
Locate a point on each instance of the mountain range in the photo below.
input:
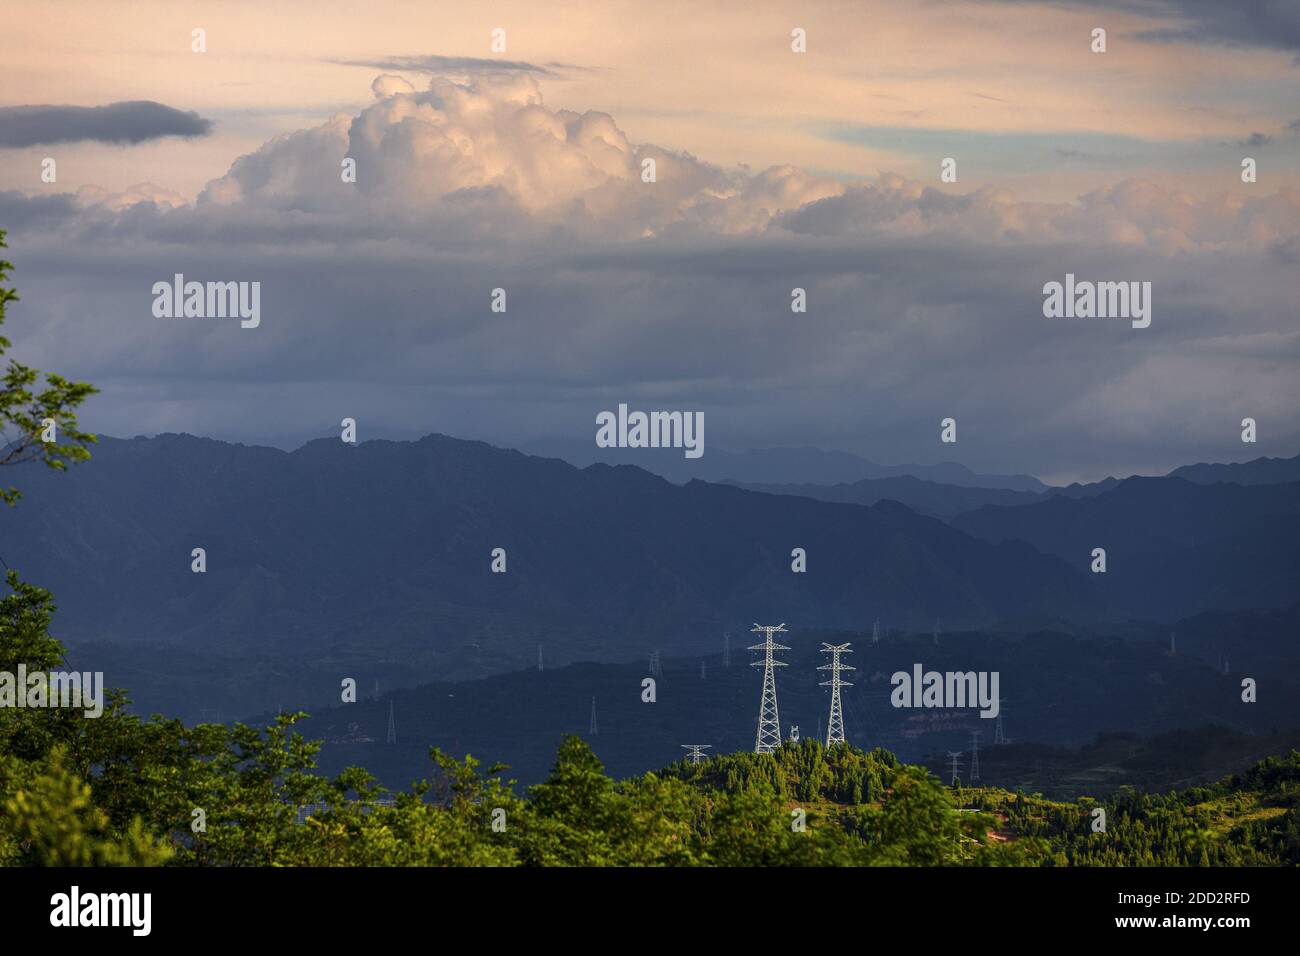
(338, 559)
(388, 546)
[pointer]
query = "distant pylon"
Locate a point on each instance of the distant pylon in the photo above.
(703, 672)
(999, 734)
(955, 755)
(835, 726)
(376, 688)
(539, 657)
(655, 670)
(875, 632)
(726, 648)
(794, 733)
(974, 756)
(769, 723)
(697, 752)
(392, 724)
(592, 729)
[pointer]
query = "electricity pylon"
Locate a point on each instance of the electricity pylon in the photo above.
(697, 752)
(769, 723)
(655, 670)
(835, 727)
(539, 657)
(592, 729)
(955, 756)
(974, 756)
(726, 648)
(875, 632)
(392, 724)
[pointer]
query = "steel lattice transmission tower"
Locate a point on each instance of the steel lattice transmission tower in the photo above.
(392, 724)
(974, 756)
(655, 669)
(955, 756)
(726, 648)
(835, 728)
(697, 752)
(592, 729)
(769, 723)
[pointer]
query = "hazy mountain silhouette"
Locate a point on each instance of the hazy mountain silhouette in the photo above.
(1173, 547)
(774, 466)
(383, 549)
(1260, 471)
(924, 497)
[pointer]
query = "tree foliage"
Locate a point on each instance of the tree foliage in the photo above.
(26, 406)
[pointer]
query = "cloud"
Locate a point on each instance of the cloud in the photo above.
(1272, 24)
(491, 158)
(923, 302)
(460, 65)
(132, 122)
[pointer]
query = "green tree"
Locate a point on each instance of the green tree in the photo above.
(26, 407)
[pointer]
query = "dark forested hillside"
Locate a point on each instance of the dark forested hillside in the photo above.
(925, 497)
(383, 551)
(1173, 547)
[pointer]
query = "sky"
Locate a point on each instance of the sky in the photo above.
(521, 168)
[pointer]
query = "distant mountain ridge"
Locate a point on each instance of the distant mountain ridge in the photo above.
(1173, 547)
(1259, 471)
(383, 549)
(807, 465)
(924, 497)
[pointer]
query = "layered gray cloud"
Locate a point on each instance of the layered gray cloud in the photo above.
(1263, 23)
(675, 293)
(127, 123)
(1273, 24)
(434, 64)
